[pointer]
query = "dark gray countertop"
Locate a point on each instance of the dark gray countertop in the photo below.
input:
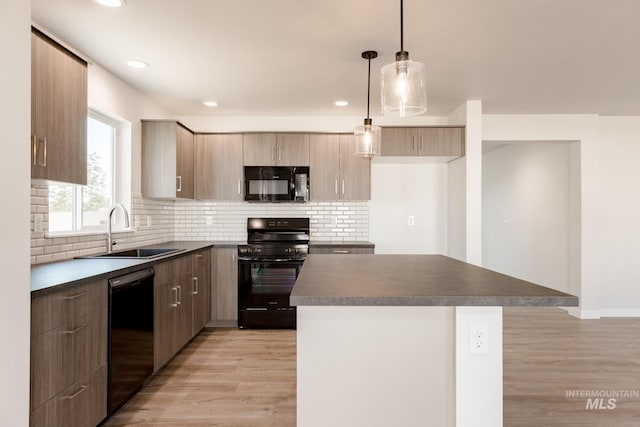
(46, 277)
(413, 280)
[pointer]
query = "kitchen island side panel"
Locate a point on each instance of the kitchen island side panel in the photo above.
(375, 366)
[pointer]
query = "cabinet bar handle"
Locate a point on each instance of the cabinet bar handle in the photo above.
(279, 153)
(195, 286)
(336, 251)
(76, 394)
(74, 330)
(44, 162)
(273, 153)
(76, 296)
(239, 185)
(179, 294)
(343, 186)
(175, 299)
(336, 187)
(413, 143)
(34, 148)
(179, 186)
(421, 142)
(199, 255)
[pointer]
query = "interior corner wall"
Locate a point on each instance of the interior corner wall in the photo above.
(526, 212)
(473, 182)
(619, 226)
(457, 195)
(584, 129)
(15, 179)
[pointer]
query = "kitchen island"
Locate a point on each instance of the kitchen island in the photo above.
(408, 340)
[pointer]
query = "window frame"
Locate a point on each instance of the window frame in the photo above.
(77, 211)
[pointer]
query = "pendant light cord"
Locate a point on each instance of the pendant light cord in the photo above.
(401, 27)
(368, 87)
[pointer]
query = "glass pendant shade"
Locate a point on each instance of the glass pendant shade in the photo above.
(367, 138)
(403, 88)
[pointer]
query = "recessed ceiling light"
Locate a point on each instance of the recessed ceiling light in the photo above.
(210, 103)
(112, 3)
(137, 64)
(341, 103)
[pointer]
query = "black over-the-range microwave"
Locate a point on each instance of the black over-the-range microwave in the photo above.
(276, 183)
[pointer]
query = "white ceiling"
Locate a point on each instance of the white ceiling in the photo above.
(296, 57)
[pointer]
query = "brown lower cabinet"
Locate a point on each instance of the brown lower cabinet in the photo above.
(182, 294)
(224, 288)
(82, 404)
(69, 356)
(69, 338)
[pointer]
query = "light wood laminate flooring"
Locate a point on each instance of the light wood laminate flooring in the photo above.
(237, 378)
(228, 378)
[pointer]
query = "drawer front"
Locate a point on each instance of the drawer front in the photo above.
(83, 404)
(343, 250)
(66, 354)
(50, 311)
(201, 259)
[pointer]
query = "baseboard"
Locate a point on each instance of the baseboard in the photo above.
(606, 312)
(620, 312)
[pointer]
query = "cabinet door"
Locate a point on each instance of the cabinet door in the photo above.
(59, 113)
(324, 166)
(159, 162)
(293, 149)
(224, 294)
(398, 142)
(185, 175)
(165, 313)
(201, 290)
(260, 149)
(441, 141)
(219, 166)
(184, 326)
(355, 172)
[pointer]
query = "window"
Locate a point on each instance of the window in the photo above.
(84, 208)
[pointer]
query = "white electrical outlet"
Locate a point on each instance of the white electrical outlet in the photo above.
(478, 338)
(411, 221)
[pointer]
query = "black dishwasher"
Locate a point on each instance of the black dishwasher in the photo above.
(130, 335)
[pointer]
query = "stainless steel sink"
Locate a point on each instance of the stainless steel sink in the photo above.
(143, 253)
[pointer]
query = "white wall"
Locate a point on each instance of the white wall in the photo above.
(115, 98)
(526, 211)
(619, 225)
(401, 188)
(14, 218)
(584, 129)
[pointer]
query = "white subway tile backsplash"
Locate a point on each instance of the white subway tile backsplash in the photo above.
(158, 221)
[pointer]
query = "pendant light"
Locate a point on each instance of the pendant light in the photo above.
(403, 83)
(367, 136)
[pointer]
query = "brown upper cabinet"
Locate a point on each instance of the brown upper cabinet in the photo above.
(426, 141)
(276, 149)
(336, 173)
(167, 160)
(58, 112)
(219, 172)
